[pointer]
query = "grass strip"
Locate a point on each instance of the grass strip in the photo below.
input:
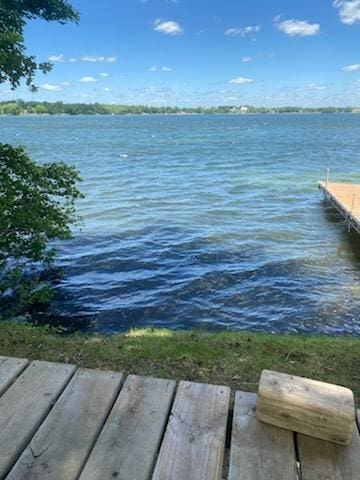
(235, 359)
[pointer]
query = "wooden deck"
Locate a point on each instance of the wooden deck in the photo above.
(346, 199)
(61, 422)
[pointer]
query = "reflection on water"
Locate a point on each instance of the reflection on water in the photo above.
(209, 222)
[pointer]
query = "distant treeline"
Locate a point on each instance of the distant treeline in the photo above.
(20, 107)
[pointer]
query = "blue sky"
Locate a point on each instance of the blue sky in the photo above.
(201, 52)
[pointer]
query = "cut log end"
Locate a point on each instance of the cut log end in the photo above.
(314, 408)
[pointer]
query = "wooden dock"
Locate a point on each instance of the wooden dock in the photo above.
(346, 199)
(61, 422)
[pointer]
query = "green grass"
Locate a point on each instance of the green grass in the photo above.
(229, 358)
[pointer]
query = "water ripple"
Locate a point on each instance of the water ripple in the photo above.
(209, 222)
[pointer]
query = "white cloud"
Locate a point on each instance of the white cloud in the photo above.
(98, 58)
(51, 88)
(65, 84)
(297, 28)
(352, 68)
(88, 79)
(84, 58)
(104, 75)
(349, 10)
(233, 31)
(246, 59)
(89, 58)
(241, 80)
(107, 89)
(168, 27)
(316, 87)
(242, 31)
(155, 68)
(56, 58)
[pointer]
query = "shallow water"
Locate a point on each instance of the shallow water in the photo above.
(204, 221)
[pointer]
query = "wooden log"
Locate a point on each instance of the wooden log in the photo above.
(317, 409)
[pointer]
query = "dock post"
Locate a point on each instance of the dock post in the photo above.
(327, 177)
(351, 211)
(352, 203)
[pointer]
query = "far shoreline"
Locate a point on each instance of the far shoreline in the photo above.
(31, 108)
(171, 114)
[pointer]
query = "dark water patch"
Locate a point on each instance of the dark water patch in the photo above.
(169, 277)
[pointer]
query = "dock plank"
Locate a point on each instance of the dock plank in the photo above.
(322, 460)
(62, 444)
(194, 442)
(10, 368)
(129, 442)
(346, 198)
(24, 406)
(259, 451)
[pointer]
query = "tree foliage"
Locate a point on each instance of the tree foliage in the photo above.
(15, 64)
(37, 202)
(20, 107)
(37, 205)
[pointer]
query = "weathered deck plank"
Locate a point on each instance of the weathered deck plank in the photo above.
(62, 444)
(129, 442)
(57, 425)
(346, 198)
(259, 451)
(25, 405)
(193, 447)
(10, 368)
(322, 460)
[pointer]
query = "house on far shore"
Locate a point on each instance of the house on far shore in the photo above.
(241, 109)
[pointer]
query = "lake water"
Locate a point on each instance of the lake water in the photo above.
(204, 221)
